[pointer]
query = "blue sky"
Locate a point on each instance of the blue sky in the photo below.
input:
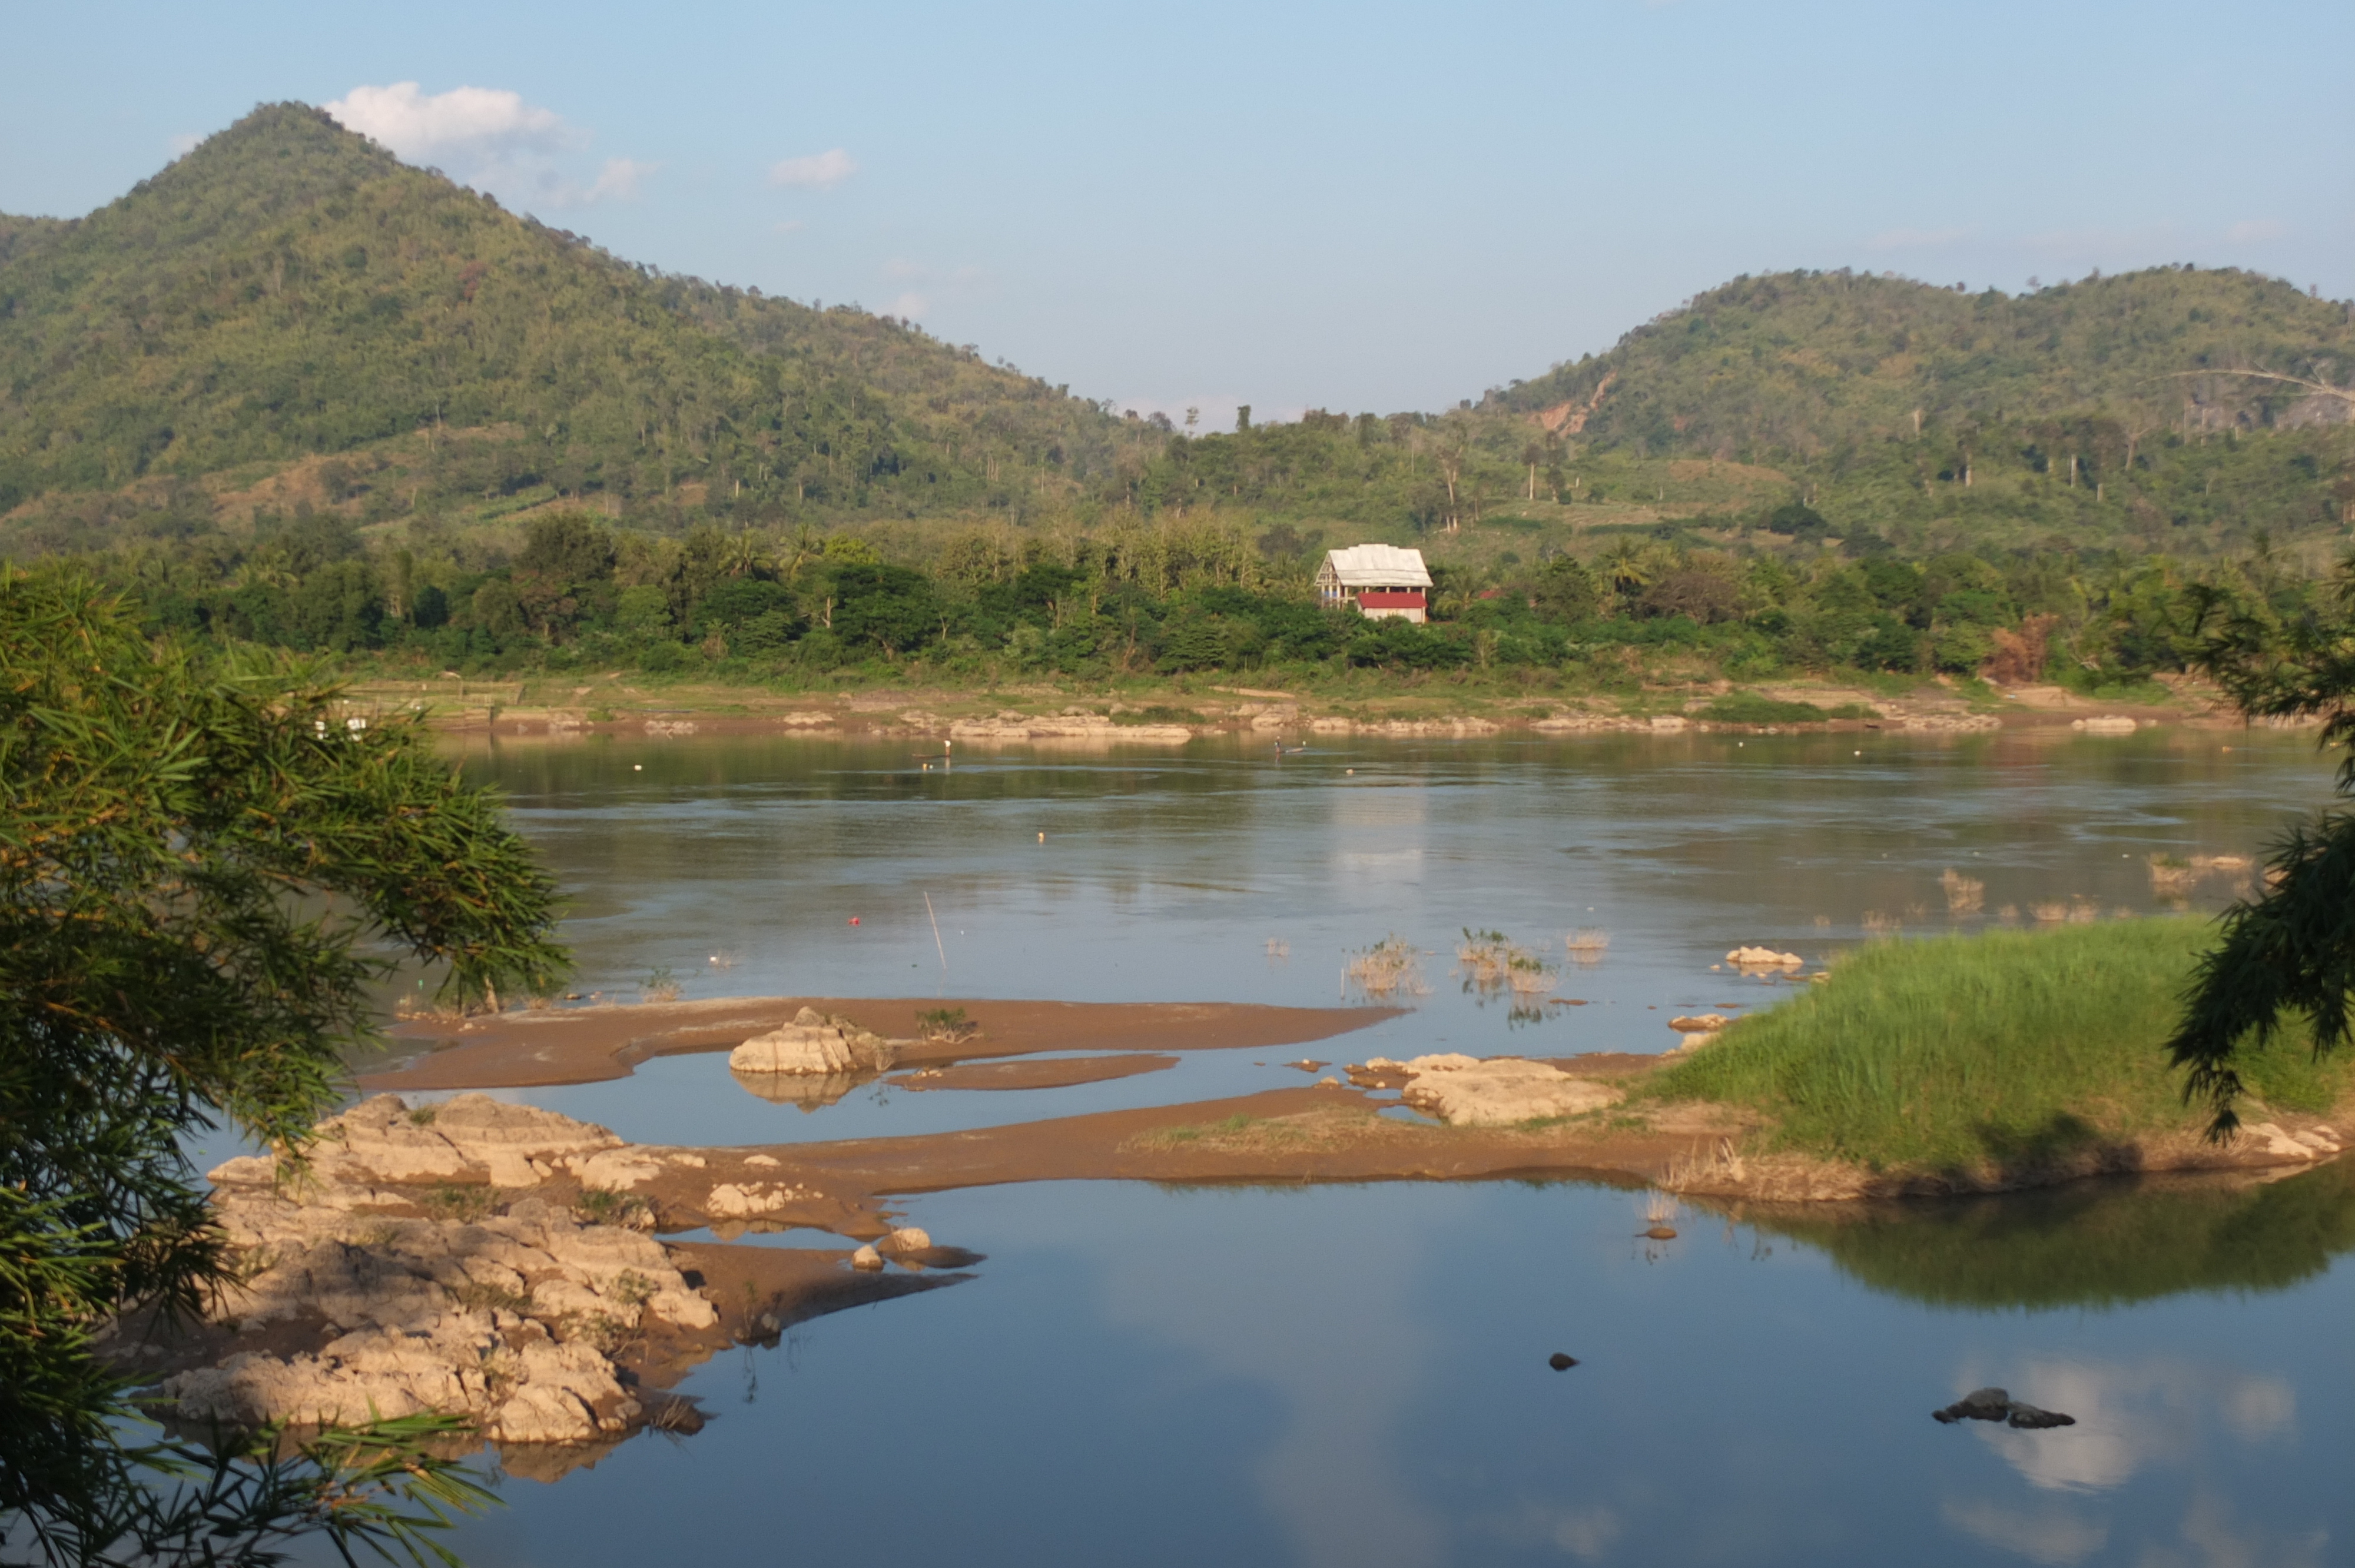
(1363, 206)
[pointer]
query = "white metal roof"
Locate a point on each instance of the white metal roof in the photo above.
(1376, 565)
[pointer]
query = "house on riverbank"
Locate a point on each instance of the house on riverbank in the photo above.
(1381, 581)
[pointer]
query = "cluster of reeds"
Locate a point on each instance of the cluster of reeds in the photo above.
(2078, 910)
(1388, 967)
(1492, 961)
(1277, 947)
(2010, 1046)
(1588, 944)
(945, 1026)
(660, 985)
(1882, 925)
(1965, 894)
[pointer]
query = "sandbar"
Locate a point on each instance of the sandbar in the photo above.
(532, 1049)
(1051, 1073)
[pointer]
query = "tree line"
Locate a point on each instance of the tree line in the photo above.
(1773, 593)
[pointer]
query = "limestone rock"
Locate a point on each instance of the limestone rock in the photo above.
(814, 1045)
(1467, 1092)
(500, 1319)
(473, 1137)
(2280, 1144)
(245, 1170)
(1703, 1024)
(750, 1199)
(866, 1260)
(907, 1238)
(1763, 959)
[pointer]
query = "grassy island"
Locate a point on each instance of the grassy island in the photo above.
(2004, 1049)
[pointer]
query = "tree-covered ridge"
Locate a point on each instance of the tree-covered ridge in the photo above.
(290, 288)
(1804, 364)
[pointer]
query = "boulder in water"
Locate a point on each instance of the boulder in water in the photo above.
(816, 1044)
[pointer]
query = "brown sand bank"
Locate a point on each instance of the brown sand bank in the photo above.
(591, 1044)
(1056, 1073)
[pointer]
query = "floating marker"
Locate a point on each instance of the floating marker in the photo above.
(854, 919)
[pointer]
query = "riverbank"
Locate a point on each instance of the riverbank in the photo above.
(1172, 710)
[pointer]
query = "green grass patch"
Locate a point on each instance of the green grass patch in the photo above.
(1992, 1050)
(1750, 708)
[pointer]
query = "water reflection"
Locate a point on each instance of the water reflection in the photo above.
(1357, 1375)
(2094, 1243)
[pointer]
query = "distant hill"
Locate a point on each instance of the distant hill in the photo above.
(1802, 363)
(289, 319)
(290, 289)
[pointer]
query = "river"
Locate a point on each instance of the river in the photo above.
(1357, 1375)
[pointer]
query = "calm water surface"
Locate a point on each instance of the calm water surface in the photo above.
(1356, 1375)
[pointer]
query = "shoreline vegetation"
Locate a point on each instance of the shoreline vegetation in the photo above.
(1160, 712)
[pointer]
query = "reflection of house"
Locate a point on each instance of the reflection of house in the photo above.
(1380, 580)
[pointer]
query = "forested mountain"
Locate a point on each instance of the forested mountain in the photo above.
(289, 320)
(1803, 364)
(290, 289)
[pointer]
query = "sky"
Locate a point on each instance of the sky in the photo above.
(1370, 207)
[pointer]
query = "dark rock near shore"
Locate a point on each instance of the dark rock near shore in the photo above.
(2034, 1419)
(1997, 1404)
(1560, 1363)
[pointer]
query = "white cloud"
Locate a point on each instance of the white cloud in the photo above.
(491, 139)
(2130, 1415)
(183, 143)
(910, 305)
(816, 171)
(618, 180)
(465, 121)
(2255, 230)
(1916, 238)
(2051, 1535)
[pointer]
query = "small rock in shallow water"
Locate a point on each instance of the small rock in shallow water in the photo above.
(1980, 1404)
(867, 1259)
(2033, 1419)
(1560, 1363)
(1661, 1233)
(1997, 1404)
(907, 1238)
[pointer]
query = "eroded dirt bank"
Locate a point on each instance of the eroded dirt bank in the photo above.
(591, 1044)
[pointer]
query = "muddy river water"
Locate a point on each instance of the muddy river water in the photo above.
(1357, 1375)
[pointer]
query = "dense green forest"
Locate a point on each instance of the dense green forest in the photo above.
(292, 391)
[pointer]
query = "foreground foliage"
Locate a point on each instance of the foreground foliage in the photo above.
(1996, 1050)
(200, 865)
(2290, 952)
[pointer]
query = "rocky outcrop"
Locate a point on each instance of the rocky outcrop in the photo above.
(816, 1044)
(1763, 959)
(489, 1261)
(508, 1318)
(1498, 1091)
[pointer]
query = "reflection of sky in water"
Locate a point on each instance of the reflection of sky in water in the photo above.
(1356, 1375)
